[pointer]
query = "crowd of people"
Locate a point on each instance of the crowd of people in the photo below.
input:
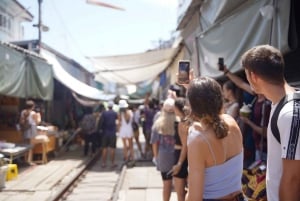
(229, 128)
(202, 141)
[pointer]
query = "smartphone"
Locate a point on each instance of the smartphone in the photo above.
(221, 63)
(183, 72)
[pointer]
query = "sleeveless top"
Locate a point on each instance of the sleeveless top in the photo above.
(32, 131)
(223, 179)
(126, 130)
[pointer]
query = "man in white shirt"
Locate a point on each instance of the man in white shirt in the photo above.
(264, 68)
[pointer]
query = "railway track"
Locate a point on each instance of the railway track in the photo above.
(92, 182)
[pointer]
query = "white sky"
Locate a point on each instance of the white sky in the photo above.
(78, 29)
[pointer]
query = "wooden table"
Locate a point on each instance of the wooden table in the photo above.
(15, 152)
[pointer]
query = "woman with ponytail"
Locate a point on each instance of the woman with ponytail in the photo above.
(215, 149)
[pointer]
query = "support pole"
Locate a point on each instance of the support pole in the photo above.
(40, 25)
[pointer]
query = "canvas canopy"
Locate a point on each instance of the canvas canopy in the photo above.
(85, 102)
(232, 27)
(72, 83)
(24, 75)
(133, 68)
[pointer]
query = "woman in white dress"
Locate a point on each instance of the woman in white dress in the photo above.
(126, 130)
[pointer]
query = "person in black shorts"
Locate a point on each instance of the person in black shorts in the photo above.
(109, 138)
(180, 169)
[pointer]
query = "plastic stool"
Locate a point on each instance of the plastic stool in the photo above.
(12, 172)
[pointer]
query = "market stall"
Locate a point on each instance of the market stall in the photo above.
(23, 75)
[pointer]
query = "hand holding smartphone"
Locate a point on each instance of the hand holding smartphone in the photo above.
(221, 63)
(183, 72)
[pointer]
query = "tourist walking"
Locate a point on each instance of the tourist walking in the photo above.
(136, 128)
(108, 127)
(88, 126)
(148, 115)
(126, 130)
(162, 140)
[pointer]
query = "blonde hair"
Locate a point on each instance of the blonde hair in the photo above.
(165, 123)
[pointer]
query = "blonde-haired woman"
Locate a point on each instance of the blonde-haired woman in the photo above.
(162, 140)
(215, 148)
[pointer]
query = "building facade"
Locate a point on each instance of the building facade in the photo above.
(12, 16)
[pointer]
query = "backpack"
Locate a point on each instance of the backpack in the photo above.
(88, 124)
(274, 119)
(23, 121)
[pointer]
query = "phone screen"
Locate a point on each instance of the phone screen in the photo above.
(221, 63)
(183, 72)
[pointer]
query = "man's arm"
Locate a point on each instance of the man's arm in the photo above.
(256, 128)
(290, 181)
(238, 81)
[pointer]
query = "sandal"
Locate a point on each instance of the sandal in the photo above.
(103, 165)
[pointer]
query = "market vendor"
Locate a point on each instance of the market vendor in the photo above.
(28, 122)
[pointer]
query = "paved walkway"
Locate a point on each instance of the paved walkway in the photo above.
(142, 184)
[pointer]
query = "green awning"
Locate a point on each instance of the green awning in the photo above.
(24, 75)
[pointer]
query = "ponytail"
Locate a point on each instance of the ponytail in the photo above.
(219, 126)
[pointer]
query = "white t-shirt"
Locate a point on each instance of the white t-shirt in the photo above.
(288, 149)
